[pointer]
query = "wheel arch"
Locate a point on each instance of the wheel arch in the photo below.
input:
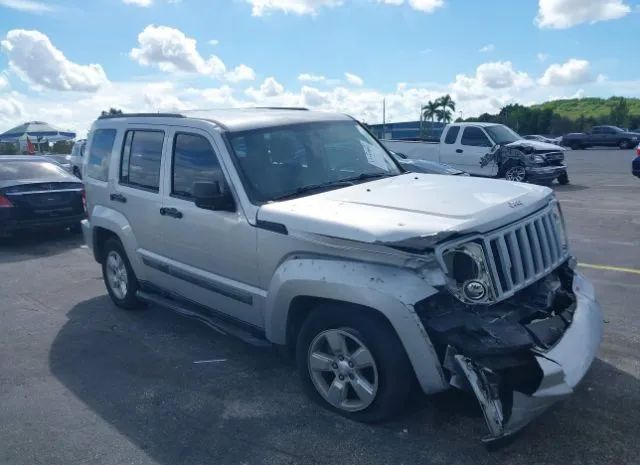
(105, 223)
(301, 285)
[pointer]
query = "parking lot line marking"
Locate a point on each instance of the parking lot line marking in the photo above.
(610, 268)
(211, 361)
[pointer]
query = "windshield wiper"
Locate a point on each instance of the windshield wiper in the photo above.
(313, 187)
(331, 184)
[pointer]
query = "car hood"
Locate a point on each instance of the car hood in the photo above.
(411, 210)
(536, 145)
(432, 167)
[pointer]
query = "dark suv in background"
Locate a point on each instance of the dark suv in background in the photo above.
(602, 136)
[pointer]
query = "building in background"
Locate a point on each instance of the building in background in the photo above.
(408, 130)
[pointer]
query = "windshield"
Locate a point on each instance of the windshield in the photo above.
(11, 170)
(502, 134)
(286, 161)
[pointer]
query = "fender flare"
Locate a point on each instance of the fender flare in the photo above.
(117, 223)
(389, 290)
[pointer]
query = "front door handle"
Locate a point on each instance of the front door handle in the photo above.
(459, 150)
(172, 212)
(118, 198)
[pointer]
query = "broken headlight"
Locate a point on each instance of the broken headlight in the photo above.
(467, 273)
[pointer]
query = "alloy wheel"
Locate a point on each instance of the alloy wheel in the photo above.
(516, 173)
(343, 370)
(117, 276)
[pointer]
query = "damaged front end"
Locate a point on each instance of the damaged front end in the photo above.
(522, 354)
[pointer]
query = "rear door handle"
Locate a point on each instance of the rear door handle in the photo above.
(118, 198)
(172, 212)
(459, 150)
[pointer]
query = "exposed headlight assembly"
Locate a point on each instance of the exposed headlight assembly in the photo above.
(467, 274)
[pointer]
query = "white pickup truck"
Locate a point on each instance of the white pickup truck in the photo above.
(488, 149)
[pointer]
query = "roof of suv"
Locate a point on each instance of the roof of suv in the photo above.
(242, 119)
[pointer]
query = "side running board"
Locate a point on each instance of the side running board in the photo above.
(218, 324)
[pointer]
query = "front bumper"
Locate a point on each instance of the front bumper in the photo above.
(545, 173)
(562, 368)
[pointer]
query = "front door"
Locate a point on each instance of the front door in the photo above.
(474, 146)
(210, 254)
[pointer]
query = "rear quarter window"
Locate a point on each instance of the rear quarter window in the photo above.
(100, 153)
(452, 135)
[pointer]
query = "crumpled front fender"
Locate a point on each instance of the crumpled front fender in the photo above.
(390, 290)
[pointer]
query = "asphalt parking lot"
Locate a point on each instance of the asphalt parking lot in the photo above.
(84, 382)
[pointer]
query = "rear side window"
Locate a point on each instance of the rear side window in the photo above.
(475, 137)
(100, 153)
(193, 161)
(452, 135)
(141, 158)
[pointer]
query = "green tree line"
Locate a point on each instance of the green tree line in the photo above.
(570, 115)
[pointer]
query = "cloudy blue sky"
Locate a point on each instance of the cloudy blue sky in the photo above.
(64, 61)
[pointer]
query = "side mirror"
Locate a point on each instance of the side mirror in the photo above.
(210, 195)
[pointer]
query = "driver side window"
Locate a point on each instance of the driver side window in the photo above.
(475, 137)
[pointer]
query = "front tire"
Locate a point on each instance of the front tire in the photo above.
(122, 284)
(516, 173)
(563, 179)
(353, 363)
(624, 145)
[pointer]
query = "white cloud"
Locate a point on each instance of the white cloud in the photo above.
(307, 77)
(36, 60)
(161, 96)
(311, 7)
(312, 97)
(489, 77)
(214, 42)
(11, 110)
(240, 73)
(30, 6)
(142, 3)
(487, 48)
(4, 82)
(269, 88)
(171, 50)
(299, 7)
(426, 6)
(562, 14)
(572, 72)
(354, 79)
(542, 57)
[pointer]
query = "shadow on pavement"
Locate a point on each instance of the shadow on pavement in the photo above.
(36, 244)
(136, 370)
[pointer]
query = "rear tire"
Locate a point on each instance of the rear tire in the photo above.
(122, 284)
(365, 351)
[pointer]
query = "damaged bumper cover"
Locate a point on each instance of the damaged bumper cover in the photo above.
(518, 370)
(545, 173)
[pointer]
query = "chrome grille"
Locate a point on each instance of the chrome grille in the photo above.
(524, 252)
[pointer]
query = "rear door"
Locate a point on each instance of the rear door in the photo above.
(137, 190)
(211, 254)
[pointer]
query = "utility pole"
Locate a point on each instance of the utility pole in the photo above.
(384, 117)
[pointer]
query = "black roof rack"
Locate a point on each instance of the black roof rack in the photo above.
(131, 115)
(282, 108)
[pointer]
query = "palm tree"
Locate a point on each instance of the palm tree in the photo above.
(446, 106)
(444, 115)
(429, 111)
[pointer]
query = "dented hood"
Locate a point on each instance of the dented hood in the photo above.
(409, 207)
(536, 145)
